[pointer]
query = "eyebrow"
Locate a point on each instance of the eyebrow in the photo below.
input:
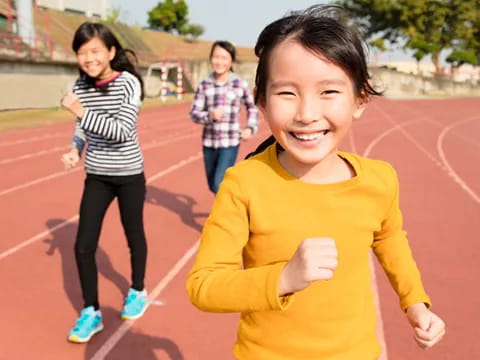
(281, 83)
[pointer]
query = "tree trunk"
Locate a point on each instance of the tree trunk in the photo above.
(436, 63)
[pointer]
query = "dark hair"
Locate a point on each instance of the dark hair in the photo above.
(227, 46)
(324, 30)
(124, 60)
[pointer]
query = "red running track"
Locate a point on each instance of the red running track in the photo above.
(433, 144)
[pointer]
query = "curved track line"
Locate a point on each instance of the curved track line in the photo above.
(442, 162)
(152, 178)
(447, 165)
(380, 137)
(410, 137)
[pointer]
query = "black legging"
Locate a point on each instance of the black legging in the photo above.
(98, 193)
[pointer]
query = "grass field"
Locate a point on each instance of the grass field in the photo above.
(27, 118)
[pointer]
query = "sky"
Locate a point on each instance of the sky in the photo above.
(239, 21)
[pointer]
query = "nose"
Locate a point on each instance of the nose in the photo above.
(309, 110)
(89, 56)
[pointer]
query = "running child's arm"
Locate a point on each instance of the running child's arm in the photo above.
(199, 112)
(393, 251)
(121, 126)
(72, 158)
(79, 139)
(252, 111)
(217, 282)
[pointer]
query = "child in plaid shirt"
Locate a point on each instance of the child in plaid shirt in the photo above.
(216, 106)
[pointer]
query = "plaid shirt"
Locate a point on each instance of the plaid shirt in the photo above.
(209, 95)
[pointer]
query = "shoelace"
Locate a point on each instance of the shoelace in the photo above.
(130, 298)
(83, 318)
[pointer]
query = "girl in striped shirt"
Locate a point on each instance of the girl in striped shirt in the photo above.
(105, 101)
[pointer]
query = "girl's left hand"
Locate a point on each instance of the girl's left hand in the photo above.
(246, 134)
(428, 327)
(72, 104)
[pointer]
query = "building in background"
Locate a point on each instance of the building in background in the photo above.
(92, 8)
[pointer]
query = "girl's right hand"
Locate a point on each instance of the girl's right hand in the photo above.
(217, 113)
(315, 259)
(71, 158)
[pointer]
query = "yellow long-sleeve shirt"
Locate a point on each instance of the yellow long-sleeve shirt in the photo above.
(260, 216)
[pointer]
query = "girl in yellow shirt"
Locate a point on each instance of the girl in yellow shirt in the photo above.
(288, 237)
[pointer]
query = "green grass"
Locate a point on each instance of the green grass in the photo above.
(28, 118)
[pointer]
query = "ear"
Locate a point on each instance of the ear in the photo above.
(112, 53)
(361, 106)
(261, 102)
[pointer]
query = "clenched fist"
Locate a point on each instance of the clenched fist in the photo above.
(315, 259)
(71, 158)
(72, 103)
(428, 328)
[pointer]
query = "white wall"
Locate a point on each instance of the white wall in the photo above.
(89, 7)
(41, 85)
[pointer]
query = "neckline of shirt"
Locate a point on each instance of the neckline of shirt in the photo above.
(339, 185)
(106, 81)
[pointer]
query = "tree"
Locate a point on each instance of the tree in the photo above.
(437, 24)
(421, 49)
(169, 15)
(113, 15)
(459, 57)
(194, 30)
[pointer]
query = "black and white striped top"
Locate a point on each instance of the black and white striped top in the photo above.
(109, 126)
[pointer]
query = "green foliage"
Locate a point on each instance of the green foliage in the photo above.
(113, 15)
(169, 15)
(425, 26)
(460, 57)
(378, 44)
(194, 30)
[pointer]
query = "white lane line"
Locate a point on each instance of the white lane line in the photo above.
(39, 180)
(71, 171)
(161, 285)
(410, 137)
(442, 162)
(35, 154)
(39, 236)
(447, 165)
(66, 147)
(170, 121)
(387, 132)
(35, 138)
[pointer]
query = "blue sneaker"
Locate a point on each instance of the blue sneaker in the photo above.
(136, 303)
(88, 324)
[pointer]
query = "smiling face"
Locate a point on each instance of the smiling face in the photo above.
(221, 61)
(309, 105)
(94, 59)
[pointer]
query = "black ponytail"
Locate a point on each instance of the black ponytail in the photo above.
(264, 145)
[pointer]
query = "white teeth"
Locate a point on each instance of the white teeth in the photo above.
(312, 136)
